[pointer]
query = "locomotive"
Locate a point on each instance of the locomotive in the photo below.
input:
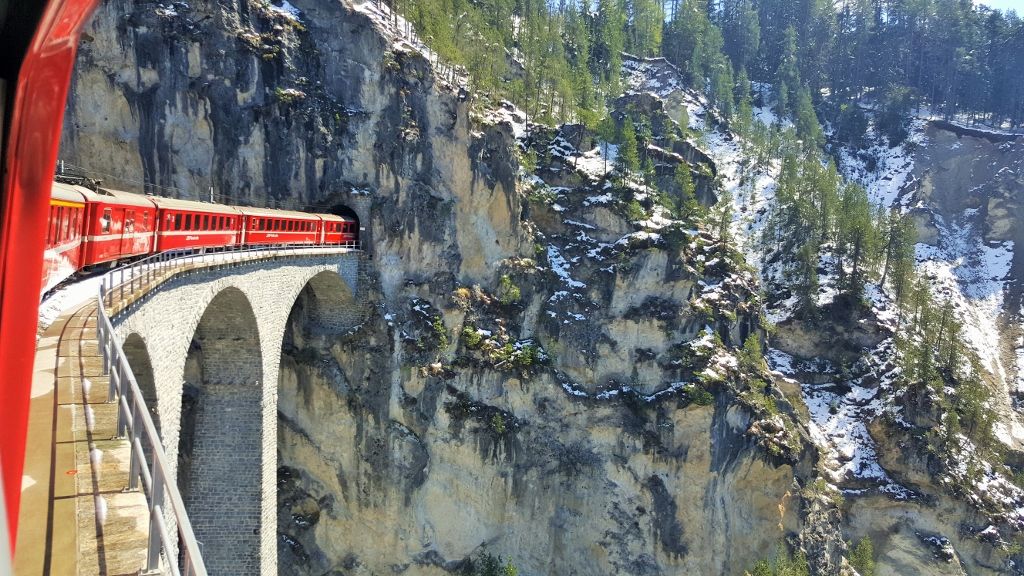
(89, 228)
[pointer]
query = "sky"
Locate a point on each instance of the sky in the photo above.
(1017, 5)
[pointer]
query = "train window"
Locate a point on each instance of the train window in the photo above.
(206, 222)
(188, 222)
(145, 220)
(220, 222)
(177, 222)
(105, 221)
(129, 221)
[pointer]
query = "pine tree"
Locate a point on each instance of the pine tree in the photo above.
(899, 255)
(806, 120)
(628, 159)
(689, 207)
(722, 88)
(787, 77)
(863, 557)
(647, 20)
(610, 41)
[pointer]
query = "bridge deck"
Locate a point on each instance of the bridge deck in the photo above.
(75, 517)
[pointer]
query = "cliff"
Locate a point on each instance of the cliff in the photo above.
(510, 392)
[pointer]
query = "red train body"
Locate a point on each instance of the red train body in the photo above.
(90, 228)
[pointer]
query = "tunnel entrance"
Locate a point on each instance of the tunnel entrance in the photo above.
(344, 211)
(220, 457)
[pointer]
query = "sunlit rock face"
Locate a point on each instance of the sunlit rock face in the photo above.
(557, 385)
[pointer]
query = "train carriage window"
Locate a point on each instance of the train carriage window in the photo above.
(145, 221)
(105, 221)
(206, 222)
(50, 227)
(177, 221)
(188, 221)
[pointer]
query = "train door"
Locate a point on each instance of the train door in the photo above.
(128, 232)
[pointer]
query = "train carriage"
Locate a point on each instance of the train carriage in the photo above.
(339, 230)
(188, 224)
(63, 250)
(265, 226)
(118, 226)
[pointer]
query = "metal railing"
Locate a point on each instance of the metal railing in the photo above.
(134, 421)
(141, 276)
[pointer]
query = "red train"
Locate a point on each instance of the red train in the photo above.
(87, 228)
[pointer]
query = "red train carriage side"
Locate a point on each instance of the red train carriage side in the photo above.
(339, 230)
(62, 256)
(188, 224)
(265, 226)
(118, 225)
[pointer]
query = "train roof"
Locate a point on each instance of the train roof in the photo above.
(192, 206)
(67, 192)
(270, 213)
(108, 196)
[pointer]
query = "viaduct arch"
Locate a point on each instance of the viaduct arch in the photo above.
(206, 351)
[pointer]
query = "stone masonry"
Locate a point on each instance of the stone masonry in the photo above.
(220, 332)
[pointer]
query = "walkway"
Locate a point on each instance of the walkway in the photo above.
(91, 525)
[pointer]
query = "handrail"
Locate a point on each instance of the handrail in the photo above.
(134, 420)
(141, 275)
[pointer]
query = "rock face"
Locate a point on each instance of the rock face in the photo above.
(510, 391)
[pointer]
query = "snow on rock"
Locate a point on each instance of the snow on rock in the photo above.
(839, 416)
(893, 166)
(561, 267)
(972, 276)
(287, 10)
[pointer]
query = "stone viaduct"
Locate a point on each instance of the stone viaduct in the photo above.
(205, 348)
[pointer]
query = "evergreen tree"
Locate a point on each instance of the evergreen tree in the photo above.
(787, 77)
(688, 205)
(863, 557)
(722, 88)
(742, 31)
(806, 120)
(628, 159)
(646, 24)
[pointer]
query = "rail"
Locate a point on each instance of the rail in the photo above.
(134, 421)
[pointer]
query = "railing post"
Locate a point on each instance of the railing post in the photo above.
(122, 416)
(136, 458)
(155, 507)
(111, 375)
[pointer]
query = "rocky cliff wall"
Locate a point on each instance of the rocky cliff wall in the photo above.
(558, 387)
